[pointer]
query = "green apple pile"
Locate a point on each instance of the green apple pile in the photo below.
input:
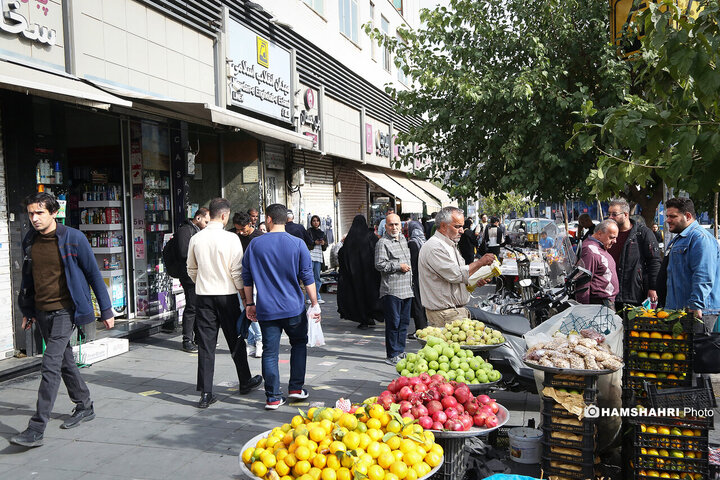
(448, 360)
(464, 332)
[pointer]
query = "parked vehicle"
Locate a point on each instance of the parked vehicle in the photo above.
(573, 227)
(524, 232)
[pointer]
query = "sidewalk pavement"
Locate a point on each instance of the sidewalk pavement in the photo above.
(148, 426)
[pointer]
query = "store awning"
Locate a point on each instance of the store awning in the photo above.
(410, 203)
(56, 86)
(431, 203)
(205, 113)
(436, 192)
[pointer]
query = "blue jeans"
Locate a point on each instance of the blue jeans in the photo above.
(296, 328)
(397, 319)
(316, 272)
(254, 333)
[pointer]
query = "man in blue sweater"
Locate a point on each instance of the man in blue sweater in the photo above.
(58, 266)
(273, 264)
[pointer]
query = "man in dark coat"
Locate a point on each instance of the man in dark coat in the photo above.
(358, 281)
(298, 230)
(468, 243)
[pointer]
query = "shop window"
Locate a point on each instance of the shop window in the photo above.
(317, 5)
(241, 173)
(349, 19)
(204, 183)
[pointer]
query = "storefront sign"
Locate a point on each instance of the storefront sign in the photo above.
(259, 73)
(309, 117)
(368, 138)
(382, 144)
(15, 23)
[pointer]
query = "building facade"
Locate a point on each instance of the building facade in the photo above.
(136, 112)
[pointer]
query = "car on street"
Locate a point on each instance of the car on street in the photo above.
(522, 232)
(573, 227)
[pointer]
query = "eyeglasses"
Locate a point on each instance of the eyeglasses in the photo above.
(615, 214)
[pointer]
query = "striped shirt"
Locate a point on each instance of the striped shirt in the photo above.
(390, 253)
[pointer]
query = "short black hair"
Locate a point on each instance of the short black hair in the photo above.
(250, 210)
(242, 219)
(433, 215)
(683, 205)
(43, 199)
(494, 220)
(278, 213)
(201, 212)
(218, 206)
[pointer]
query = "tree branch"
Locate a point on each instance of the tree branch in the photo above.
(626, 161)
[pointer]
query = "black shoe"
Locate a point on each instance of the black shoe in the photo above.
(78, 416)
(206, 399)
(364, 326)
(190, 347)
(28, 438)
(251, 385)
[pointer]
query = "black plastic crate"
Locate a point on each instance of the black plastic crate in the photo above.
(576, 470)
(671, 464)
(453, 467)
(587, 441)
(570, 382)
(632, 397)
(583, 427)
(553, 452)
(661, 366)
(589, 395)
(671, 442)
(639, 344)
(699, 397)
(671, 324)
(638, 383)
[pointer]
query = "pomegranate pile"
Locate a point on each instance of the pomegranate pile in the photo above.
(438, 404)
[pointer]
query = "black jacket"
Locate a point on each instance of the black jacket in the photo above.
(467, 245)
(639, 265)
(186, 230)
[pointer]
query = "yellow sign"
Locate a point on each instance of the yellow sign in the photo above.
(263, 52)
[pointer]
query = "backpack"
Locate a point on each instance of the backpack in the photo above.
(174, 266)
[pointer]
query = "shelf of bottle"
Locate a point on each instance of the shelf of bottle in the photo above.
(157, 209)
(119, 272)
(110, 250)
(100, 203)
(100, 227)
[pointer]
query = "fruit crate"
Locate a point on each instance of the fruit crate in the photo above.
(453, 466)
(698, 442)
(570, 382)
(671, 461)
(573, 470)
(637, 383)
(700, 397)
(673, 324)
(589, 395)
(570, 455)
(633, 397)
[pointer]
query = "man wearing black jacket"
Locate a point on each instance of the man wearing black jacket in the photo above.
(636, 255)
(298, 230)
(183, 235)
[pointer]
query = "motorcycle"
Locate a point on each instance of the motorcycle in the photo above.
(544, 303)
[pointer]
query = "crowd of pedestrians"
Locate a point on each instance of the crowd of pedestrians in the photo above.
(255, 282)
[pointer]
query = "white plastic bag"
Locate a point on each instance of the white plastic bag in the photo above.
(315, 333)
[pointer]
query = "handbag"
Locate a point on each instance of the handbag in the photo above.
(707, 352)
(26, 296)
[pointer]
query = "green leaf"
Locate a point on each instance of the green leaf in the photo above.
(388, 436)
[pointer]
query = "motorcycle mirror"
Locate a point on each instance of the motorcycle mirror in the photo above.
(525, 282)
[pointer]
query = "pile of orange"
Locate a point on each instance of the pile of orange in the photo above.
(329, 444)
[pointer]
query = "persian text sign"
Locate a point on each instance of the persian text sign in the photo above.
(259, 73)
(15, 20)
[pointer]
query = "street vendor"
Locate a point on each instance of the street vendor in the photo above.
(443, 274)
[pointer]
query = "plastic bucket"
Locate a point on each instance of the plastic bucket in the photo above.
(525, 444)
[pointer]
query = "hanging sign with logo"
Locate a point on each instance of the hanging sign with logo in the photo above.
(382, 144)
(259, 73)
(309, 116)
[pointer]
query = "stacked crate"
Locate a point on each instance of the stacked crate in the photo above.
(673, 446)
(658, 351)
(569, 445)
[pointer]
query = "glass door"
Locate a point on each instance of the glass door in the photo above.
(152, 216)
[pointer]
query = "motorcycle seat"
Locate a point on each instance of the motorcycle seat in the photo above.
(511, 324)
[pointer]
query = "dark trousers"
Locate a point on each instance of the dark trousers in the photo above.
(296, 328)
(397, 319)
(417, 310)
(215, 312)
(57, 363)
(188, 318)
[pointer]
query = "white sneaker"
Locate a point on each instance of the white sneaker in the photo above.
(251, 349)
(258, 351)
(321, 301)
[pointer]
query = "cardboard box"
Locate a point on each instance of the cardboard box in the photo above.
(116, 346)
(89, 353)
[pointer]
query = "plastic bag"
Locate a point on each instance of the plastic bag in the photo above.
(315, 333)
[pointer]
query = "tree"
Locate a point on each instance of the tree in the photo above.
(501, 205)
(497, 82)
(667, 128)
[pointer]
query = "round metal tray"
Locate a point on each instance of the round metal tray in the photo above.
(503, 417)
(478, 387)
(473, 348)
(251, 443)
(568, 371)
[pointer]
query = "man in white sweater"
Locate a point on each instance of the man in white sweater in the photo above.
(214, 263)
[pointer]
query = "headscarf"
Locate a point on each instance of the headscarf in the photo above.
(316, 233)
(416, 233)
